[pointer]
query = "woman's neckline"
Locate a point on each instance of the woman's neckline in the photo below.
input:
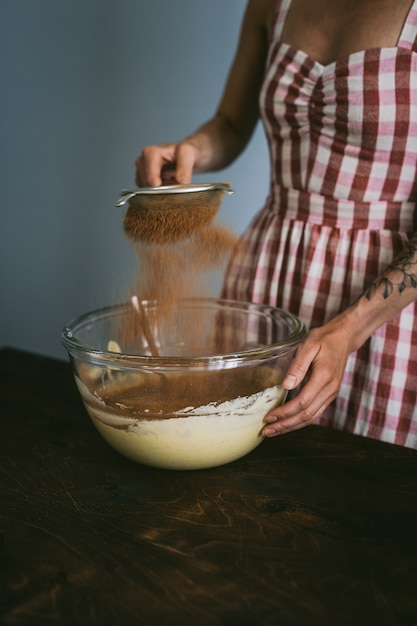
(285, 7)
(343, 59)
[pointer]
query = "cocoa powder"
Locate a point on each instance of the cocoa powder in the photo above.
(168, 218)
(171, 270)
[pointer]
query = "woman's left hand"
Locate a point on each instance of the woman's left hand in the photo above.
(322, 356)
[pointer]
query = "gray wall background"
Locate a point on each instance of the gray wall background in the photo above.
(85, 85)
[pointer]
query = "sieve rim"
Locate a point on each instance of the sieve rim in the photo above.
(126, 194)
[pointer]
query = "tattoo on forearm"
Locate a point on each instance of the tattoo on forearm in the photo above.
(399, 274)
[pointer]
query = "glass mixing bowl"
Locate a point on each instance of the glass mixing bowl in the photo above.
(184, 386)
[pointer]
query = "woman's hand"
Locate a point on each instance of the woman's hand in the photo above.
(323, 356)
(166, 164)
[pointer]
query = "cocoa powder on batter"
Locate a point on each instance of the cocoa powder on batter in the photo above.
(152, 396)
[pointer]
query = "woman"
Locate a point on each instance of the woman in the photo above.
(336, 242)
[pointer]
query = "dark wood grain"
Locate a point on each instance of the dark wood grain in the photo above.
(313, 528)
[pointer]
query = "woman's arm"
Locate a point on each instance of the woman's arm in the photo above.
(324, 352)
(219, 141)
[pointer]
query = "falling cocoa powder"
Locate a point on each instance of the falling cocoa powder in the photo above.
(179, 262)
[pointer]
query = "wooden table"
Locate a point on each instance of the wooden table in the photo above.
(312, 528)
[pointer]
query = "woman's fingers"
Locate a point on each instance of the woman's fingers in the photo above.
(185, 158)
(302, 410)
(150, 163)
(165, 164)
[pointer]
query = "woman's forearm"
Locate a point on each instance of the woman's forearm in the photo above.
(218, 142)
(385, 297)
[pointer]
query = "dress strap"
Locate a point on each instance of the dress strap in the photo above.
(280, 16)
(408, 37)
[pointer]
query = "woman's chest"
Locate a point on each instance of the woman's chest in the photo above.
(363, 99)
(331, 29)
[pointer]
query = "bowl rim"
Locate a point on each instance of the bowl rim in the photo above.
(102, 357)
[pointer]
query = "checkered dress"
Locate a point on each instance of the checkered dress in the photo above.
(343, 144)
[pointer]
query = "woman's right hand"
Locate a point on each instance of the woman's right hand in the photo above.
(166, 164)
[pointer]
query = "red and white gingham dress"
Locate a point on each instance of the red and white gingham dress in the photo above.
(343, 143)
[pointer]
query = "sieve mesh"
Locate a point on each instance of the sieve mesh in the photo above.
(165, 215)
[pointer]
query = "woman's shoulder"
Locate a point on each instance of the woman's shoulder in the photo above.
(262, 11)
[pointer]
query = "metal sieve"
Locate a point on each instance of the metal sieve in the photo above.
(170, 213)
